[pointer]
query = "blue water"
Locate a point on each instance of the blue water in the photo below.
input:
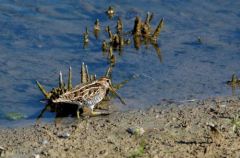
(40, 38)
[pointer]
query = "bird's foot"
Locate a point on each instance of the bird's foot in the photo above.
(102, 112)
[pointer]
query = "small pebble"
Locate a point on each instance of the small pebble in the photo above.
(44, 142)
(210, 124)
(223, 105)
(136, 131)
(64, 135)
(36, 156)
(1, 148)
(102, 152)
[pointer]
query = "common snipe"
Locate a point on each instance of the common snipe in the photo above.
(88, 94)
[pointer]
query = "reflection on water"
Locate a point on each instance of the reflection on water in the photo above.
(138, 42)
(141, 34)
(38, 39)
(234, 83)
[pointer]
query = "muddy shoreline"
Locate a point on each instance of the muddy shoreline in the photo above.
(205, 128)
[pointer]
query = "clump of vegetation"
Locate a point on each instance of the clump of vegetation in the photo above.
(139, 151)
(110, 12)
(234, 82)
(142, 34)
(14, 116)
(236, 125)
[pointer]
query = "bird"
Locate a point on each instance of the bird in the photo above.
(89, 95)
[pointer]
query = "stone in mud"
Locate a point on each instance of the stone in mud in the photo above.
(136, 131)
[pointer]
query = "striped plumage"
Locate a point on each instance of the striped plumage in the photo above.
(88, 94)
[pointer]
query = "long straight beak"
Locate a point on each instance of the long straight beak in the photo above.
(116, 94)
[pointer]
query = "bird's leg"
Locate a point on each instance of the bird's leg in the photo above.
(78, 109)
(97, 113)
(78, 114)
(89, 111)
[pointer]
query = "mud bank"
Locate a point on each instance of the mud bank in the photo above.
(206, 128)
